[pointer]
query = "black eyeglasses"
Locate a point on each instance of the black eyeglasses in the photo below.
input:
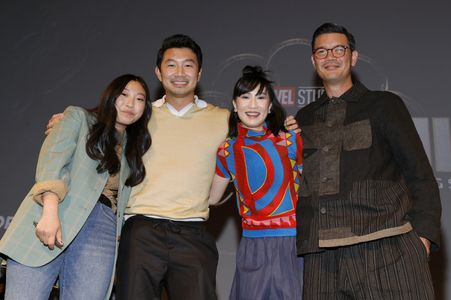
(337, 51)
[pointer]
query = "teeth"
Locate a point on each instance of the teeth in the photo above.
(331, 66)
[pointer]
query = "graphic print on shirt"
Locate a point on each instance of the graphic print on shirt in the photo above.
(265, 171)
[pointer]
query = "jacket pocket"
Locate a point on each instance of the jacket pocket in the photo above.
(357, 136)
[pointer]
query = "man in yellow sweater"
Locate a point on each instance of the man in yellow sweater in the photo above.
(164, 242)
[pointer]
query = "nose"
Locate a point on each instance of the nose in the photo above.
(253, 102)
(329, 52)
(179, 70)
(129, 102)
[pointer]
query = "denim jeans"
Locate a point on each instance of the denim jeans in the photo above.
(84, 268)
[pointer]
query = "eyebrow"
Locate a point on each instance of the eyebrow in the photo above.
(182, 60)
(139, 93)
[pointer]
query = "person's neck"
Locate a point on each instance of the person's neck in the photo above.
(337, 89)
(180, 103)
(120, 129)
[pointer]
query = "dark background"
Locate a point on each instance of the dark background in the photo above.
(59, 53)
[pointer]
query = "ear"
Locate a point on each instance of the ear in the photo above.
(269, 108)
(354, 57)
(234, 106)
(199, 75)
(158, 73)
(313, 62)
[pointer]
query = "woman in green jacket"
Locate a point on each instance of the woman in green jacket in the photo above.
(67, 227)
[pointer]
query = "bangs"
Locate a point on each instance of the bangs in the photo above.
(246, 85)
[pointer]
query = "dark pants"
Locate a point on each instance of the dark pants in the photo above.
(389, 268)
(155, 253)
(267, 268)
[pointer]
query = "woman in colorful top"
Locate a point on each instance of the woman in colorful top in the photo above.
(264, 162)
(68, 225)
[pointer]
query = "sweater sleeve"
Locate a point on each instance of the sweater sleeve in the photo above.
(221, 163)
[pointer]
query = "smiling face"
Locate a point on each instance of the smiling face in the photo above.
(334, 70)
(130, 105)
(179, 73)
(253, 108)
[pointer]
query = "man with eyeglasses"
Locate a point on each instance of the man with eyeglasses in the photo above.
(369, 208)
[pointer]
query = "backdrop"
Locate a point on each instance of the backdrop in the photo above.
(59, 53)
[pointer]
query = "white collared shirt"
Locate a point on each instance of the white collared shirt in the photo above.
(179, 113)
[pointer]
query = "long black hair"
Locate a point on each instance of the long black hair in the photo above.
(102, 136)
(251, 78)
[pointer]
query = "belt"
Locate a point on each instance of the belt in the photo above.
(174, 226)
(104, 200)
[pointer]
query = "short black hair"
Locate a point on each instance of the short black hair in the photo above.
(333, 28)
(179, 41)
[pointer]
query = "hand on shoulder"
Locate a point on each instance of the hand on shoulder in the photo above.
(55, 119)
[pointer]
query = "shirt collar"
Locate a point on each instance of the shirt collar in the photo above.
(254, 134)
(198, 102)
(353, 94)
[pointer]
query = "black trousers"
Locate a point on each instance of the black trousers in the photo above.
(389, 268)
(157, 253)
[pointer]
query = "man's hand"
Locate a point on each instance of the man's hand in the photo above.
(291, 124)
(53, 121)
(427, 245)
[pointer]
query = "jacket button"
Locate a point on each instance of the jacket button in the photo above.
(323, 210)
(324, 179)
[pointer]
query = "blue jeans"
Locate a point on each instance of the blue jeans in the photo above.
(84, 268)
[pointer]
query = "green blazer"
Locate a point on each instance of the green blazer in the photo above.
(64, 168)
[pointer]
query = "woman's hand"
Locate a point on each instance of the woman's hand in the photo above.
(48, 229)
